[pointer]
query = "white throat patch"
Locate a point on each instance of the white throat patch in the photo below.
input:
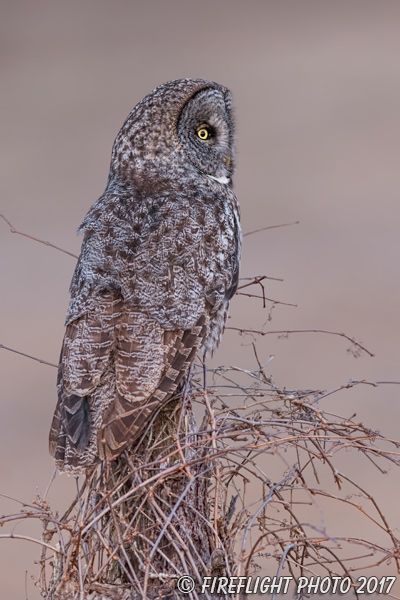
(222, 179)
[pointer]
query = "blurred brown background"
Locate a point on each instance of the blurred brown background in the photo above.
(316, 86)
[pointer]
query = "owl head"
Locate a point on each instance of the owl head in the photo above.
(183, 127)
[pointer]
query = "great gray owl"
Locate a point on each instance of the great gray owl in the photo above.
(157, 269)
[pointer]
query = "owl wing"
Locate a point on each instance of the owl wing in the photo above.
(84, 360)
(126, 416)
(117, 367)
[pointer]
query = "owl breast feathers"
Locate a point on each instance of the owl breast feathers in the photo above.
(158, 266)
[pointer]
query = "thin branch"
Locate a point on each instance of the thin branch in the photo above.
(31, 237)
(270, 227)
(256, 279)
(44, 362)
(289, 331)
(13, 536)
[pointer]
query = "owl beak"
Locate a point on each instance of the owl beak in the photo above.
(228, 160)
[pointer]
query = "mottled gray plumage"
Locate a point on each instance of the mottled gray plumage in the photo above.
(158, 266)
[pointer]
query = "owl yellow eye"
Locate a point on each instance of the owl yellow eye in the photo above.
(203, 133)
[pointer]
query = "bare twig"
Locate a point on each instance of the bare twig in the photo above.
(44, 362)
(14, 536)
(289, 331)
(31, 237)
(270, 227)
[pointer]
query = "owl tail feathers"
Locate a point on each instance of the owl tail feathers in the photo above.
(69, 441)
(123, 424)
